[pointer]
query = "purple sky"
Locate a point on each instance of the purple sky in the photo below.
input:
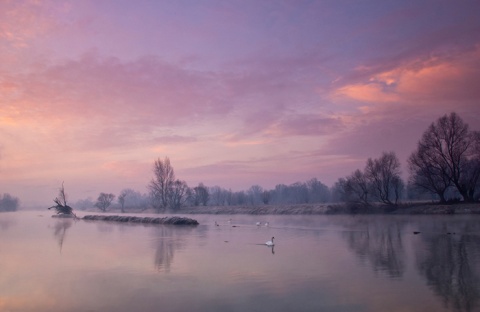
(235, 93)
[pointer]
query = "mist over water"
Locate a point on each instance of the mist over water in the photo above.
(318, 263)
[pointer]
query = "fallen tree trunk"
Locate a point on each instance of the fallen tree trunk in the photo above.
(165, 220)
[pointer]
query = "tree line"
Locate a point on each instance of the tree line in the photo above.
(444, 167)
(8, 202)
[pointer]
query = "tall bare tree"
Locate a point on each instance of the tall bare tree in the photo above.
(161, 186)
(447, 150)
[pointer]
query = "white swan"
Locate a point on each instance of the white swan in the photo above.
(270, 242)
(258, 223)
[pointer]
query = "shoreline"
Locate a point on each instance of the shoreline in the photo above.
(323, 209)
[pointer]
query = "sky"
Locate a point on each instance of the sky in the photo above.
(235, 92)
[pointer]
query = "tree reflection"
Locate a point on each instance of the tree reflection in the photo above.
(5, 224)
(169, 240)
(60, 230)
(450, 264)
(380, 243)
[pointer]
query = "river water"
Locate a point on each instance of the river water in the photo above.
(318, 263)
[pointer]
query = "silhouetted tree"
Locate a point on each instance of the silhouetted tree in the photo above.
(356, 188)
(383, 175)
(447, 151)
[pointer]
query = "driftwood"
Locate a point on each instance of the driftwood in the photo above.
(165, 220)
(61, 207)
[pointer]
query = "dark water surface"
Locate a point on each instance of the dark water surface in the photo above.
(319, 263)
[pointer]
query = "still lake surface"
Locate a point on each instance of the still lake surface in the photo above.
(318, 263)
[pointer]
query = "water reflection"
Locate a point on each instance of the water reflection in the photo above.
(449, 262)
(5, 224)
(378, 242)
(168, 240)
(60, 231)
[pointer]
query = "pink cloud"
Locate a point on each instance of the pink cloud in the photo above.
(303, 124)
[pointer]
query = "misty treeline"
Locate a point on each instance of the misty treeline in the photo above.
(8, 202)
(444, 167)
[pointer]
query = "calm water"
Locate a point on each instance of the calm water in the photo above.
(319, 263)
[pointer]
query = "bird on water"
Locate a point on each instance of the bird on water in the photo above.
(270, 242)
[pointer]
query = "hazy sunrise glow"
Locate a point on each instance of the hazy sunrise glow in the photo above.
(235, 93)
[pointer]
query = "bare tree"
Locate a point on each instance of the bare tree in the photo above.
(383, 175)
(121, 200)
(161, 186)
(61, 206)
(427, 175)
(104, 201)
(201, 195)
(356, 188)
(178, 194)
(254, 194)
(447, 151)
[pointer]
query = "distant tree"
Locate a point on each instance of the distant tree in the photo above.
(384, 178)
(61, 206)
(266, 196)
(200, 195)
(134, 200)
(218, 196)
(254, 194)
(161, 186)
(104, 201)
(8, 202)
(317, 191)
(447, 156)
(121, 200)
(178, 195)
(83, 204)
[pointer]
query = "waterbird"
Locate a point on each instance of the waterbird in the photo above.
(416, 232)
(258, 223)
(270, 242)
(267, 224)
